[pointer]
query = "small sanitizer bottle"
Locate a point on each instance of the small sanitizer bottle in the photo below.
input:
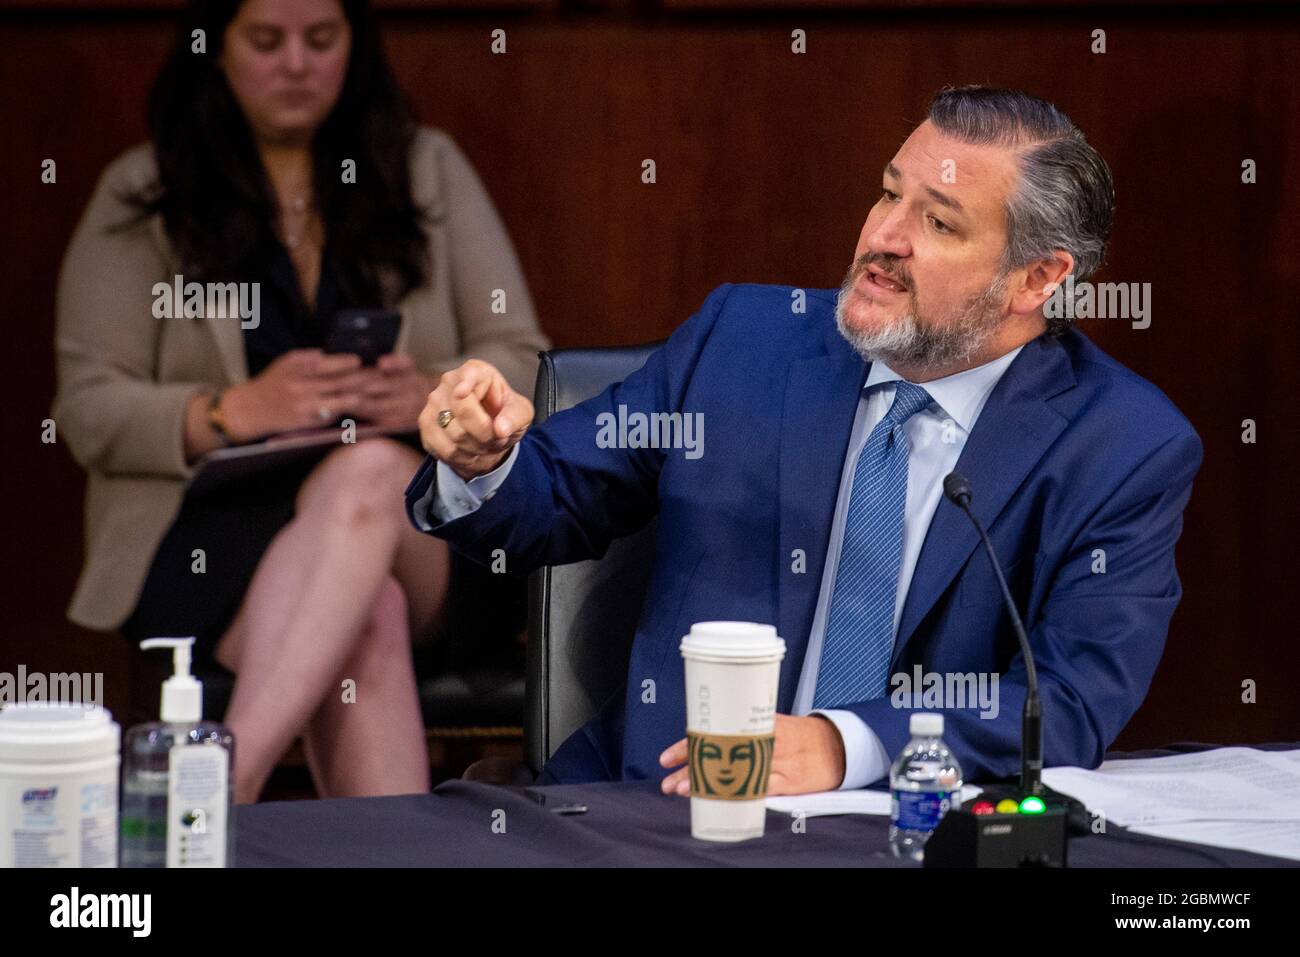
(177, 778)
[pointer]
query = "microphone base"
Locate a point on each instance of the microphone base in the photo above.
(966, 839)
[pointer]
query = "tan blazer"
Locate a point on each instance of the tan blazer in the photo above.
(125, 377)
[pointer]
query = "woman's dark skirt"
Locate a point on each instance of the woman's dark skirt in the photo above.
(233, 526)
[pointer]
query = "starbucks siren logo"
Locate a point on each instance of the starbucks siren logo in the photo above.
(729, 767)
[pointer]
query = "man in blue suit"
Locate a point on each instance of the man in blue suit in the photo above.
(816, 504)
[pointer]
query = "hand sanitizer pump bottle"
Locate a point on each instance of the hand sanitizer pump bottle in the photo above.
(177, 778)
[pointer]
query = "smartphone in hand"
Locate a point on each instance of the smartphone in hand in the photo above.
(370, 333)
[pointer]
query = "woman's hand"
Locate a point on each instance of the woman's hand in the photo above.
(302, 389)
(396, 393)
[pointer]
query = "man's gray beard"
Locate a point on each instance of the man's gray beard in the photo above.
(906, 342)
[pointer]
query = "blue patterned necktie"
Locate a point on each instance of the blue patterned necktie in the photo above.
(859, 639)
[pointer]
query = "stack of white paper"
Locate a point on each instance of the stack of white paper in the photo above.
(1229, 797)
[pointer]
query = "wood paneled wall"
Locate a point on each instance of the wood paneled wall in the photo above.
(767, 162)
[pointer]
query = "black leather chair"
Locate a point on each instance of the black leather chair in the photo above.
(581, 617)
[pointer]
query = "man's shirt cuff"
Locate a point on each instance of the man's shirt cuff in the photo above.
(450, 497)
(865, 758)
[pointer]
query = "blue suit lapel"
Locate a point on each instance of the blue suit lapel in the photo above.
(1013, 431)
(821, 399)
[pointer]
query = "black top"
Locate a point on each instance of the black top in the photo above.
(173, 601)
(285, 321)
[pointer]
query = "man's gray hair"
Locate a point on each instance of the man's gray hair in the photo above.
(1064, 198)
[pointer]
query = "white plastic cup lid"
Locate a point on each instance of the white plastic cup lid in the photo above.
(736, 640)
(926, 725)
(50, 731)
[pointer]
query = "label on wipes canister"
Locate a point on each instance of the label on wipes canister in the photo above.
(729, 767)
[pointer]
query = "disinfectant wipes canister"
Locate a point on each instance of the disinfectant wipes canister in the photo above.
(58, 785)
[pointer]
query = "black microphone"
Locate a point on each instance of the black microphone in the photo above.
(1033, 834)
(958, 491)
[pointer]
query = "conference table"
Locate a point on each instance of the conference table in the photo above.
(624, 824)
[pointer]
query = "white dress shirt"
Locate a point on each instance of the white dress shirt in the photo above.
(936, 436)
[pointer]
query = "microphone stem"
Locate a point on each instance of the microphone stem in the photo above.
(1031, 733)
(1031, 726)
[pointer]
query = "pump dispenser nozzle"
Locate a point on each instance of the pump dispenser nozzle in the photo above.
(182, 693)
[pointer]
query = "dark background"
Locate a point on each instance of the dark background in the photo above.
(767, 164)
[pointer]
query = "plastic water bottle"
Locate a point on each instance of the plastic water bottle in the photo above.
(924, 784)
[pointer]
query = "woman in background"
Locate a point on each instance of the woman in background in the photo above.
(281, 154)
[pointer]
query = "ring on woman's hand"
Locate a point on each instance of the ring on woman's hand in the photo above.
(445, 417)
(323, 414)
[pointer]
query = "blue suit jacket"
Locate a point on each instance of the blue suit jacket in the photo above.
(1073, 461)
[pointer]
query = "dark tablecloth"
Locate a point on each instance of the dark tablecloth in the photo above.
(467, 824)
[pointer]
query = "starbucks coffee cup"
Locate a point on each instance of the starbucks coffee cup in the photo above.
(732, 672)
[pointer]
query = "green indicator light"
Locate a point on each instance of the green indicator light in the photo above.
(1032, 805)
